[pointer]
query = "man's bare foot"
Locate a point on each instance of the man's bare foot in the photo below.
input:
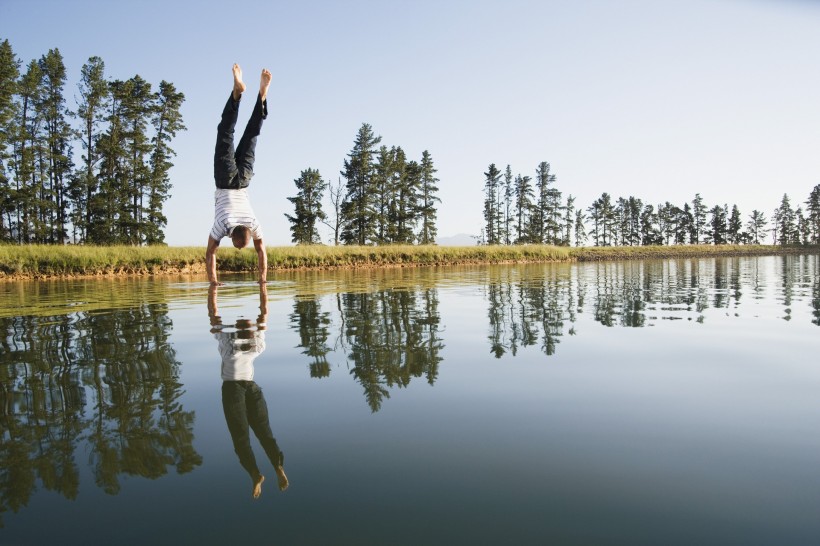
(264, 83)
(257, 486)
(238, 84)
(283, 480)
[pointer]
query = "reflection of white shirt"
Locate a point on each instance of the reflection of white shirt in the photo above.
(238, 354)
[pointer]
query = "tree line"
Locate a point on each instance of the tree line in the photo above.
(386, 198)
(114, 193)
(520, 210)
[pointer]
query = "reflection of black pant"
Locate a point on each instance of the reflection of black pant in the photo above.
(234, 169)
(245, 406)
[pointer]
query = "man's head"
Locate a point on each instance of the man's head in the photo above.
(241, 236)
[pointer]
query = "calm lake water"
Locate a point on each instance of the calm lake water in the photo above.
(655, 402)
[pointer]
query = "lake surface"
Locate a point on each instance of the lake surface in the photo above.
(654, 402)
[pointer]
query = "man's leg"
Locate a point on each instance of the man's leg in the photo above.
(225, 169)
(246, 150)
(259, 422)
(233, 404)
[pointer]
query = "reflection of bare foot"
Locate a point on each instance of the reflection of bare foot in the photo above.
(238, 84)
(264, 83)
(283, 480)
(257, 486)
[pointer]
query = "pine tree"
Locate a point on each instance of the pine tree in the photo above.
(569, 217)
(54, 188)
(27, 146)
(602, 213)
(813, 212)
(403, 206)
(427, 200)
(137, 101)
(717, 226)
(523, 209)
(580, 228)
(784, 221)
(383, 192)
(111, 198)
(9, 74)
(308, 207)
(685, 226)
(650, 230)
(358, 208)
(698, 219)
(756, 226)
(734, 229)
(91, 106)
(166, 119)
(509, 198)
(491, 214)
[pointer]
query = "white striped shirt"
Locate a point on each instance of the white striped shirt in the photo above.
(233, 208)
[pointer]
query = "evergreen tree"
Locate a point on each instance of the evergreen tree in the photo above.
(427, 200)
(668, 216)
(650, 232)
(734, 229)
(802, 233)
(137, 106)
(111, 197)
(383, 191)
(54, 186)
(756, 227)
(569, 218)
(717, 226)
(602, 213)
(698, 219)
(785, 227)
(684, 225)
(546, 213)
(509, 196)
(92, 102)
(523, 209)
(813, 218)
(27, 146)
(167, 122)
(492, 179)
(403, 206)
(9, 73)
(308, 207)
(357, 207)
(580, 228)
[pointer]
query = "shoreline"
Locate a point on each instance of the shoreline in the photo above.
(41, 262)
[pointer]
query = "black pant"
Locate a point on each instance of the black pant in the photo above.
(234, 169)
(245, 407)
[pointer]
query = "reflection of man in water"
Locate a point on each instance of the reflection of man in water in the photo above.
(242, 399)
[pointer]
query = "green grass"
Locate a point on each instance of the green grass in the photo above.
(36, 261)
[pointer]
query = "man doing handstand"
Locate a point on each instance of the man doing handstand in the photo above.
(233, 169)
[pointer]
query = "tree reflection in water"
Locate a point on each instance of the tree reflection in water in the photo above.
(107, 378)
(390, 336)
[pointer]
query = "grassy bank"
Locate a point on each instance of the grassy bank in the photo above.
(41, 261)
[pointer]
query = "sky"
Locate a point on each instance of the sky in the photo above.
(657, 99)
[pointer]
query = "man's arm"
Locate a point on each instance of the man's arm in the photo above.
(210, 261)
(259, 245)
(213, 310)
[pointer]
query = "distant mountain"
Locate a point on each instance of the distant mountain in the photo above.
(462, 239)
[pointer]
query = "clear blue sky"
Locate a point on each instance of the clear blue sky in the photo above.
(652, 98)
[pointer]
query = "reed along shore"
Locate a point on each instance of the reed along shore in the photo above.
(49, 261)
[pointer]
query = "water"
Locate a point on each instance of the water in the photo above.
(655, 402)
